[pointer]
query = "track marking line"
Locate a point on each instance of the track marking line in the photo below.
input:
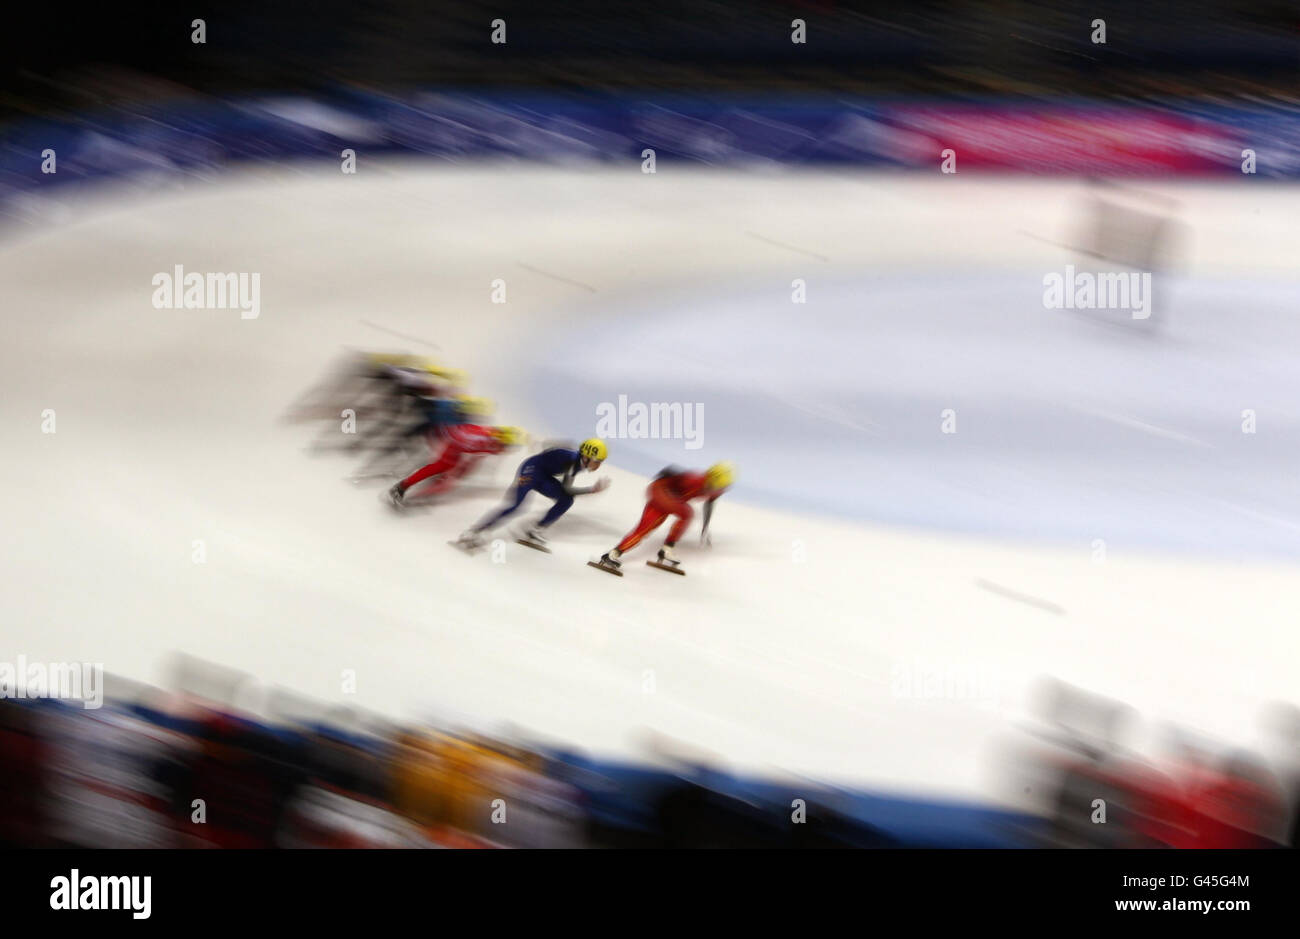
(1010, 594)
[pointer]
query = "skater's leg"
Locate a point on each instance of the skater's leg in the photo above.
(651, 519)
(551, 488)
(445, 463)
(452, 476)
(515, 498)
(684, 514)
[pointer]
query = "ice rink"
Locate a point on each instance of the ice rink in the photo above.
(880, 596)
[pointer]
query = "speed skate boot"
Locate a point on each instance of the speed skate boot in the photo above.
(469, 540)
(533, 538)
(609, 562)
(667, 561)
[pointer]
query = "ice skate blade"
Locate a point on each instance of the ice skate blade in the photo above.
(608, 570)
(672, 569)
(465, 546)
(534, 545)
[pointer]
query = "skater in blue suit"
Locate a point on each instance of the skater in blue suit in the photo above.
(551, 473)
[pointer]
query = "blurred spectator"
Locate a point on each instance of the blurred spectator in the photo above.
(193, 773)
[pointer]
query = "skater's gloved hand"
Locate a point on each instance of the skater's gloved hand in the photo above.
(601, 484)
(706, 539)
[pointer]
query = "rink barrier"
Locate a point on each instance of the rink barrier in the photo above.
(156, 142)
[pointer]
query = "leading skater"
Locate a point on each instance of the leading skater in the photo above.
(671, 494)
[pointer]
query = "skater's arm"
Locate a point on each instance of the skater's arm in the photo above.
(571, 489)
(601, 485)
(708, 514)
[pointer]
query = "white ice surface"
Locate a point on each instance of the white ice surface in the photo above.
(800, 642)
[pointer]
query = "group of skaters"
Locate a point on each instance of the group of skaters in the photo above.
(394, 405)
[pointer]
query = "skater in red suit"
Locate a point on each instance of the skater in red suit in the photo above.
(671, 494)
(462, 446)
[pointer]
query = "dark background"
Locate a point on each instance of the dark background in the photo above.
(56, 57)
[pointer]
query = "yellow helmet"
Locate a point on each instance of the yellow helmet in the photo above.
(510, 436)
(720, 475)
(452, 376)
(594, 449)
(471, 406)
(420, 362)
